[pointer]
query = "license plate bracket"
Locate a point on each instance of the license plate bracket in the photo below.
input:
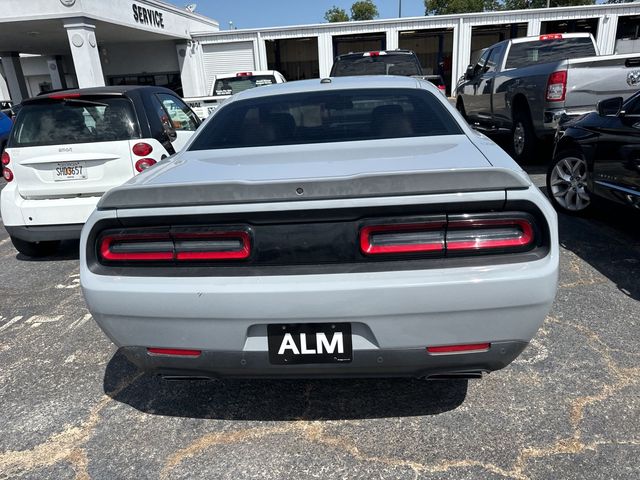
(309, 343)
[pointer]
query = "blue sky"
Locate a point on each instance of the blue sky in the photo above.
(260, 13)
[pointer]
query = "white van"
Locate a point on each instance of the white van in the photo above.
(68, 148)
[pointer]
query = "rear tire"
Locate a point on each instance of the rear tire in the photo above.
(567, 179)
(523, 137)
(35, 249)
(460, 108)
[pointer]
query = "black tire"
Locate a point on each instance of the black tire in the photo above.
(523, 136)
(35, 249)
(570, 196)
(460, 108)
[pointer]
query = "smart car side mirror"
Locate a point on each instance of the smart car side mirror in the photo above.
(468, 75)
(611, 107)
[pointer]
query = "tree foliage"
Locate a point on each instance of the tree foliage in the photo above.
(444, 7)
(364, 10)
(336, 14)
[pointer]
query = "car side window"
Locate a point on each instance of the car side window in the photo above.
(633, 109)
(481, 63)
(181, 116)
(492, 61)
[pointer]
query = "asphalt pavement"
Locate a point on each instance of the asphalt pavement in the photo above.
(568, 408)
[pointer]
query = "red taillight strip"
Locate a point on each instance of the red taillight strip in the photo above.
(107, 254)
(241, 254)
(525, 239)
(174, 352)
(370, 249)
(467, 348)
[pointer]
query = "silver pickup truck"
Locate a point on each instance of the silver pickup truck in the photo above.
(528, 85)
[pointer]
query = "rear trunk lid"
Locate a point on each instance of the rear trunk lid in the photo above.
(305, 172)
(78, 146)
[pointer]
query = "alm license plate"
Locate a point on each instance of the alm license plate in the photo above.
(70, 171)
(291, 344)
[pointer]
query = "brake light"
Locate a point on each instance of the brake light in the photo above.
(7, 174)
(244, 74)
(557, 86)
(63, 96)
(373, 54)
(489, 234)
(175, 246)
(551, 36)
(467, 348)
(142, 149)
(145, 163)
(174, 352)
(5, 159)
(442, 88)
(407, 238)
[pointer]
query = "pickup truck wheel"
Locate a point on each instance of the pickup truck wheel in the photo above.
(567, 183)
(523, 137)
(35, 249)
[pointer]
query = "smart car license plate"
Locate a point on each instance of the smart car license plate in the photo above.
(291, 344)
(70, 171)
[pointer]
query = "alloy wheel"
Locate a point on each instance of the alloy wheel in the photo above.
(518, 138)
(568, 184)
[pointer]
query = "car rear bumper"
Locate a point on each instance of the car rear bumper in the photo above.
(45, 233)
(409, 362)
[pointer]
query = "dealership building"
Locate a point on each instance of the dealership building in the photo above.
(52, 44)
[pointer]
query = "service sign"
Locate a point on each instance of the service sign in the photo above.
(148, 16)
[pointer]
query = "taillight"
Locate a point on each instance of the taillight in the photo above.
(5, 159)
(145, 163)
(466, 348)
(244, 74)
(442, 88)
(406, 238)
(488, 234)
(7, 174)
(557, 86)
(551, 36)
(142, 149)
(180, 246)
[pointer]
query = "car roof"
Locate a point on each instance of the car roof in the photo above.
(400, 51)
(253, 72)
(329, 84)
(117, 90)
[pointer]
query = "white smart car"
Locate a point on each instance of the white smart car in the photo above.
(336, 227)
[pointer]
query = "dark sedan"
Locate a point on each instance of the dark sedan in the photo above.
(598, 155)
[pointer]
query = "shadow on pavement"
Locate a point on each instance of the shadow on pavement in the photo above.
(282, 400)
(68, 250)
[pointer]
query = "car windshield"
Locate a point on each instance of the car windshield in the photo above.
(543, 51)
(76, 120)
(233, 85)
(403, 64)
(335, 116)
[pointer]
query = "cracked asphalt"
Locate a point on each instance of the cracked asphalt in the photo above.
(568, 408)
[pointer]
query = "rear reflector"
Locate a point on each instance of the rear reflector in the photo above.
(142, 165)
(178, 246)
(557, 86)
(551, 36)
(174, 352)
(142, 149)
(5, 159)
(467, 348)
(409, 238)
(489, 234)
(7, 174)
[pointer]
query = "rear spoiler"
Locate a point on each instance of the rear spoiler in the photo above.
(140, 195)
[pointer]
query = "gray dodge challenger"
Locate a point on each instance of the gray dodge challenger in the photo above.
(325, 228)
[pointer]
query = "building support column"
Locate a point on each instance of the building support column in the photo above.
(56, 72)
(15, 77)
(325, 54)
(393, 41)
(84, 49)
(191, 72)
(607, 30)
(533, 28)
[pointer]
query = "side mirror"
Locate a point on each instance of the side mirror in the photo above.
(169, 131)
(469, 73)
(610, 107)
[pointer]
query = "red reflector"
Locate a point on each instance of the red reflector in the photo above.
(145, 163)
(7, 174)
(487, 234)
(63, 96)
(142, 149)
(406, 238)
(244, 74)
(205, 252)
(472, 347)
(149, 247)
(557, 86)
(551, 36)
(174, 352)
(5, 158)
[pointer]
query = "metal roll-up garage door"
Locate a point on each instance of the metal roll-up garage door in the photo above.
(223, 58)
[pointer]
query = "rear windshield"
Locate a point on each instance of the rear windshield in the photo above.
(543, 51)
(60, 122)
(231, 86)
(337, 116)
(398, 64)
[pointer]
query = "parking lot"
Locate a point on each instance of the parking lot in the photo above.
(567, 408)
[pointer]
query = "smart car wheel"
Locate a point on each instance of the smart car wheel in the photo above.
(567, 183)
(35, 249)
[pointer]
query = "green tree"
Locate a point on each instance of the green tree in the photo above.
(336, 14)
(524, 4)
(364, 10)
(446, 7)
